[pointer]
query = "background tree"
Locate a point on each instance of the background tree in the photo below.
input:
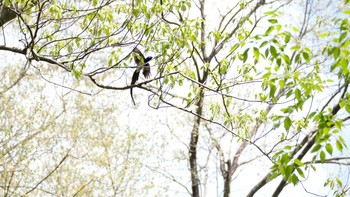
(258, 89)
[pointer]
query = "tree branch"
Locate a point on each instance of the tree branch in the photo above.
(42, 180)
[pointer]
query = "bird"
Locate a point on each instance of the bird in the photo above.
(142, 64)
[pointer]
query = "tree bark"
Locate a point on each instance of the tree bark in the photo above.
(193, 146)
(227, 180)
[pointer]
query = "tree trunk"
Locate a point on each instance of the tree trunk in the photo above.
(193, 146)
(227, 180)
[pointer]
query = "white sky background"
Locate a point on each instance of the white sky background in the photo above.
(144, 118)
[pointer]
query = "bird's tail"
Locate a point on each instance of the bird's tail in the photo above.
(132, 97)
(135, 77)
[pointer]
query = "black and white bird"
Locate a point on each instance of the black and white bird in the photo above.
(142, 64)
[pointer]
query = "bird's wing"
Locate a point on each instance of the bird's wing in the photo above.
(138, 56)
(146, 71)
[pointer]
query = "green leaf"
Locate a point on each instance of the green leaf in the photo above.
(313, 167)
(110, 62)
(267, 52)
(329, 148)
(339, 182)
(273, 51)
(263, 44)
(342, 36)
(240, 37)
(336, 52)
(287, 38)
(245, 55)
(322, 156)
(136, 12)
(347, 107)
(278, 27)
(273, 89)
(324, 34)
(223, 68)
(312, 114)
(306, 56)
(316, 148)
(76, 73)
(273, 175)
(294, 179)
(295, 29)
(288, 147)
(267, 75)
(282, 83)
(298, 162)
(289, 170)
(69, 48)
(273, 21)
(217, 35)
(286, 59)
(297, 58)
(287, 123)
(343, 63)
(256, 53)
(300, 172)
(341, 139)
(285, 158)
(273, 13)
(234, 47)
(278, 62)
(193, 37)
(147, 15)
(346, 12)
(269, 30)
(339, 146)
(338, 124)
(298, 94)
(295, 47)
(183, 7)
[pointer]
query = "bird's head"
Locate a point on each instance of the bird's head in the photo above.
(149, 58)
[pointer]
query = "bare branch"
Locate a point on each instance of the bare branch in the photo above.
(50, 173)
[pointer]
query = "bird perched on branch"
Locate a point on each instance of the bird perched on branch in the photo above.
(142, 64)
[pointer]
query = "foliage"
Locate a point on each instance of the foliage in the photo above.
(247, 86)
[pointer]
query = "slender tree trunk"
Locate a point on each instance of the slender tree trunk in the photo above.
(227, 180)
(193, 146)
